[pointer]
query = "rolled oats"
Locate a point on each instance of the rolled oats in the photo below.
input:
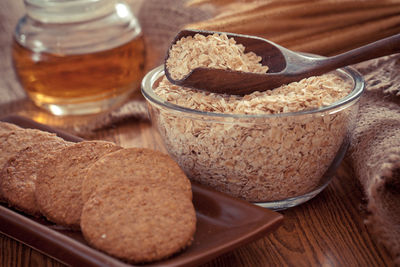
(259, 158)
(212, 51)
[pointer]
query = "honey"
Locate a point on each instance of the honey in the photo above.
(71, 79)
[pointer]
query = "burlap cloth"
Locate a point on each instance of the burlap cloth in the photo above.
(374, 151)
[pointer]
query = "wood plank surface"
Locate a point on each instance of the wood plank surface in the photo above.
(329, 230)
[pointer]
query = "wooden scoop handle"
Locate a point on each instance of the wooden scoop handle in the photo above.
(384, 47)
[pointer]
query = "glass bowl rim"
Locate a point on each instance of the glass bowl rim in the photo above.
(153, 75)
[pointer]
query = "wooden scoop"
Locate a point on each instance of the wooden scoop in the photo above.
(285, 66)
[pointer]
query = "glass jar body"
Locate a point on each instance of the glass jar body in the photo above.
(81, 61)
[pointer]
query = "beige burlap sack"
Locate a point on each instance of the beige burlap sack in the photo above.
(375, 149)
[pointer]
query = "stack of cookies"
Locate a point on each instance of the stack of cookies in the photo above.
(132, 203)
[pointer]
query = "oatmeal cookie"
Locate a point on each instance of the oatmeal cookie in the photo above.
(6, 128)
(17, 179)
(138, 223)
(17, 139)
(142, 165)
(58, 187)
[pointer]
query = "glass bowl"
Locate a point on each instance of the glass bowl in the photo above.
(275, 161)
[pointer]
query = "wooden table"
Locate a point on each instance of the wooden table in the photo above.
(329, 230)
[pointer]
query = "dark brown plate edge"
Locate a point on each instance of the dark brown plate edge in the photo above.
(79, 253)
(51, 242)
(272, 221)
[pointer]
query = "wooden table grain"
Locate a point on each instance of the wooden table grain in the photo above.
(329, 230)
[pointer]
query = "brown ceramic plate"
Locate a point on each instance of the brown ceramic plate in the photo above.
(223, 224)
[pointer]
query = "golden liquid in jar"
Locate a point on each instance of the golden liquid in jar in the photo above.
(69, 79)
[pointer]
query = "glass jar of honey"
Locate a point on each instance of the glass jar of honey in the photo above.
(78, 56)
